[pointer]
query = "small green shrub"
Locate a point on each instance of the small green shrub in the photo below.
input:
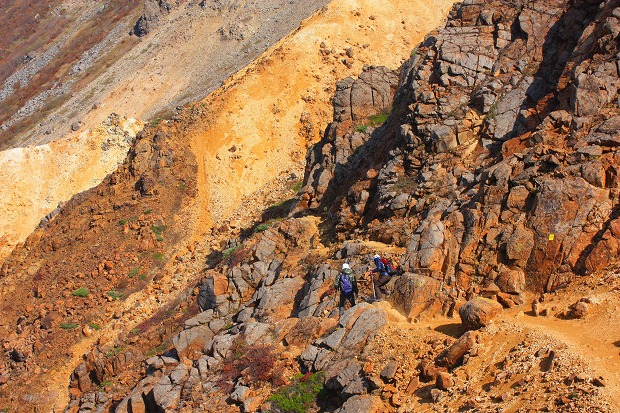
(134, 272)
(492, 113)
(104, 384)
(298, 186)
(114, 351)
(81, 292)
(158, 230)
(378, 118)
(121, 222)
(147, 211)
(227, 252)
(157, 350)
(155, 122)
(182, 185)
(373, 120)
(115, 295)
(69, 326)
(298, 396)
(158, 256)
(95, 326)
(261, 227)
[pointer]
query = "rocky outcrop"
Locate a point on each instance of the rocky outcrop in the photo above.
(347, 145)
(502, 166)
(148, 20)
(492, 175)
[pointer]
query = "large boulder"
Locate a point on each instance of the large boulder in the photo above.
(278, 299)
(370, 94)
(363, 404)
(479, 312)
(190, 342)
(416, 295)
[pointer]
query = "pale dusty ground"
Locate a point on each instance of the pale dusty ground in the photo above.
(253, 133)
(36, 179)
(182, 60)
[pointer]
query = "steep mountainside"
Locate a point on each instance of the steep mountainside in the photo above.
(72, 64)
(69, 64)
(139, 242)
(486, 167)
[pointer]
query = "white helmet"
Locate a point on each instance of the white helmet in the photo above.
(345, 266)
(376, 256)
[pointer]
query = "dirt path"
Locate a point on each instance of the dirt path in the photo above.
(595, 340)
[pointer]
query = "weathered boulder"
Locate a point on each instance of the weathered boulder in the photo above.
(444, 381)
(479, 312)
(416, 295)
(365, 327)
(212, 290)
(362, 404)
(347, 377)
(190, 342)
(389, 371)
(458, 349)
(580, 309)
(370, 94)
(511, 281)
(278, 299)
(165, 395)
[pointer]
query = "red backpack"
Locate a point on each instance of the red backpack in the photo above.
(389, 268)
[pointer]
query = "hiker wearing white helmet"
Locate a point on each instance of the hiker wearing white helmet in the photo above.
(383, 278)
(347, 284)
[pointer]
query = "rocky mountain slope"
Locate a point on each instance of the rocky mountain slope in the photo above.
(57, 90)
(68, 65)
(125, 240)
(485, 166)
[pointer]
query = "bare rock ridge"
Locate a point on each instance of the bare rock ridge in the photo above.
(486, 168)
(502, 166)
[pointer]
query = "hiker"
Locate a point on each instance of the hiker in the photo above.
(347, 284)
(383, 278)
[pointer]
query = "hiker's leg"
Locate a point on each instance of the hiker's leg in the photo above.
(378, 290)
(341, 305)
(381, 283)
(351, 298)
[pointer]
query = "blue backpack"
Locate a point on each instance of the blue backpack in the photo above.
(345, 284)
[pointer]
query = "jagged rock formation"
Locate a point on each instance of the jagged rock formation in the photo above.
(502, 166)
(153, 11)
(467, 176)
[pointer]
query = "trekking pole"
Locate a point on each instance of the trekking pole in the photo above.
(374, 293)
